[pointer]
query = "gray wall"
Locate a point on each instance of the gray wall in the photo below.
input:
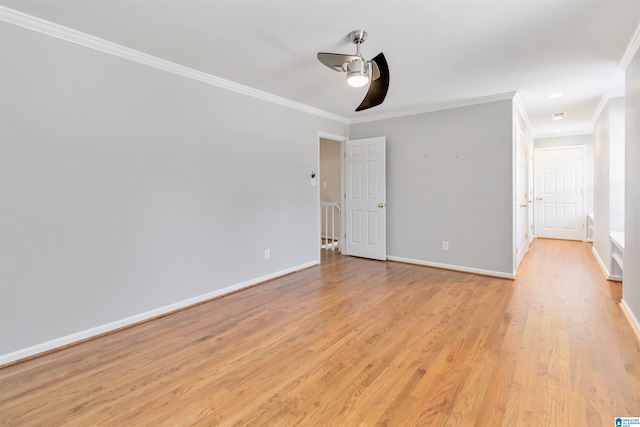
(330, 171)
(449, 177)
(609, 170)
(616, 165)
(125, 188)
(631, 279)
(601, 178)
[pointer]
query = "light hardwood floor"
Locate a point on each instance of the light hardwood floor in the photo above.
(358, 343)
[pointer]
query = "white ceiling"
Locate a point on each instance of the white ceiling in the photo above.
(440, 53)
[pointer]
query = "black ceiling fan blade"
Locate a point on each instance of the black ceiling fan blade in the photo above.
(335, 60)
(377, 88)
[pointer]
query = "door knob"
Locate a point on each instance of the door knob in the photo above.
(524, 205)
(539, 198)
(381, 205)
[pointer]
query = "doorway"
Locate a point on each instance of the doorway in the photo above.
(331, 183)
(352, 194)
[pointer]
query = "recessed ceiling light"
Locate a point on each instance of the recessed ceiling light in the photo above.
(555, 95)
(558, 116)
(556, 130)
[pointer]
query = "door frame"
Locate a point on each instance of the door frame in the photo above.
(583, 148)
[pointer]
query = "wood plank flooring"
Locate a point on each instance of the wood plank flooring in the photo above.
(356, 342)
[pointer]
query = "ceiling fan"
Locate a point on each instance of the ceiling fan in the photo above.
(360, 71)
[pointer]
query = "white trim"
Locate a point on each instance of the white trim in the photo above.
(523, 112)
(331, 136)
(40, 25)
(454, 267)
(132, 320)
(631, 50)
(431, 109)
(602, 265)
(633, 320)
(600, 108)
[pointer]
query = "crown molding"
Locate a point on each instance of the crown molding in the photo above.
(517, 102)
(600, 108)
(631, 50)
(606, 97)
(55, 30)
(422, 110)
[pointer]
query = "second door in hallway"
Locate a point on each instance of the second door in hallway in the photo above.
(559, 193)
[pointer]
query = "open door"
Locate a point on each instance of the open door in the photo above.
(365, 200)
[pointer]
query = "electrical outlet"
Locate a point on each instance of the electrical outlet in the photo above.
(267, 253)
(445, 245)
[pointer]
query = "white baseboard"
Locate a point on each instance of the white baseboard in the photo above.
(118, 324)
(603, 266)
(482, 272)
(633, 320)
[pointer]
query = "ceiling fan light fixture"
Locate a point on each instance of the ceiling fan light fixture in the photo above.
(358, 72)
(357, 79)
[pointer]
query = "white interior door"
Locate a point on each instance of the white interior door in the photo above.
(559, 193)
(522, 197)
(365, 200)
